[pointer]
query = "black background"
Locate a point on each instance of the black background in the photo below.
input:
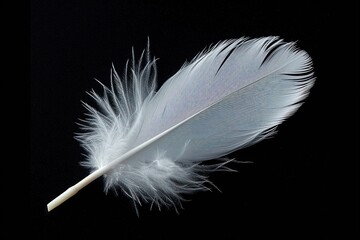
(303, 182)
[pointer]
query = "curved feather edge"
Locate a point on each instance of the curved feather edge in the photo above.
(130, 112)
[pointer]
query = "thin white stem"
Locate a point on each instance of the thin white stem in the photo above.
(71, 191)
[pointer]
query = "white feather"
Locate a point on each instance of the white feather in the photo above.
(227, 98)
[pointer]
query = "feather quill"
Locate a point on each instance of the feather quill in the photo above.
(153, 146)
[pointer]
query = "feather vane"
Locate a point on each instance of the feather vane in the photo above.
(154, 145)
